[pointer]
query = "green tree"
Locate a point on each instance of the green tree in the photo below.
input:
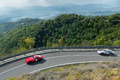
(29, 42)
(100, 41)
(61, 41)
(116, 43)
(48, 44)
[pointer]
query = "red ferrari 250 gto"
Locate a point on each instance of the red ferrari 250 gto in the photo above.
(33, 59)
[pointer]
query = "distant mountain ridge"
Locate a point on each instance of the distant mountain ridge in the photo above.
(50, 12)
(5, 27)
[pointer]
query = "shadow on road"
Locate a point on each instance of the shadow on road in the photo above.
(113, 55)
(38, 62)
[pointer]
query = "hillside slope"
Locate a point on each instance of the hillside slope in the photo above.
(64, 30)
(5, 27)
(89, 71)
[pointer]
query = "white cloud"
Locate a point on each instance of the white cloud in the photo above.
(12, 3)
(22, 3)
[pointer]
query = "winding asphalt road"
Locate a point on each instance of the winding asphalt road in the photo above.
(19, 67)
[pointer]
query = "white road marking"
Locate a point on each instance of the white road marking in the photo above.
(68, 56)
(12, 69)
(66, 64)
(51, 58)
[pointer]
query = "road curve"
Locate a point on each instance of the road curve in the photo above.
(18, 68)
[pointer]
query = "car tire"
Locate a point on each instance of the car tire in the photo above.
(111, 54)
(102, 53)
(29, 62)
(39, 59)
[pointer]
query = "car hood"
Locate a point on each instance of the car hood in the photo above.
(100, 51)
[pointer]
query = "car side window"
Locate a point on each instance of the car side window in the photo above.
(109, 51)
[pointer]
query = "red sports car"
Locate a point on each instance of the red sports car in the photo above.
(33, 59)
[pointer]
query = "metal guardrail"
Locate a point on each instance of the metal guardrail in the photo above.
(59, 48)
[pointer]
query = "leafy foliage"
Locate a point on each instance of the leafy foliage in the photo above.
(64, 30)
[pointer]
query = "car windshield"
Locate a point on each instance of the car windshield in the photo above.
(33, 57)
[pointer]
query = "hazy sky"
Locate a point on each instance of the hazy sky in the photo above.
(22, 3)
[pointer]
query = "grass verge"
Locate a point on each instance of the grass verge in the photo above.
(84, 71)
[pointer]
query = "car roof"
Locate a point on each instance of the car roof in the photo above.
(37, 56)
(107, 49)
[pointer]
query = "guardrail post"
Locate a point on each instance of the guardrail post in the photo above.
(2, 60)
(43, 49)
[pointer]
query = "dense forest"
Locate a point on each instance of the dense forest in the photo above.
(64, 30)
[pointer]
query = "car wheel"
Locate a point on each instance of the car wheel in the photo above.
(111, 54)
(29, 62)
(39, 59)
(102, 53)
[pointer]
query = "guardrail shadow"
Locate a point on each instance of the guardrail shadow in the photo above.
(6, 63)
(69, 51)
(52, 51)
(15, 60)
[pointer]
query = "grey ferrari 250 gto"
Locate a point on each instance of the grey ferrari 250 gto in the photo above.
(105, 52)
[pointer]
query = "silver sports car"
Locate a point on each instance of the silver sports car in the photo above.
(105, 52)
